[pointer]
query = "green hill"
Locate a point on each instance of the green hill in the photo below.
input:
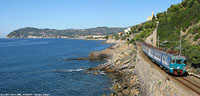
(183, 20)
(30, 31)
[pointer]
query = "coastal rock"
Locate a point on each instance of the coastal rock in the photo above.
(134, 92)
(120, 67)
(81, 58)
(125, 92)
(107, 53)
(120, 94)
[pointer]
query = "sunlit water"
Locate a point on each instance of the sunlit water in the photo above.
(39, 66)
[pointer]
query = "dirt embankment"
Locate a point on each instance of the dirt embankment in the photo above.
(120, 67)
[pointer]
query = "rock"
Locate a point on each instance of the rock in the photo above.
(107, 53)
(136, 85)
(120, 94)
(127, 61)
(125, 85)
(134, 92)
(134, 77)
(119, 86)
(115, 87)
(118, 67)
(132, 82)
(112, 94)
(81, 58)
(130, 45)
(110, 71)
(125, 92)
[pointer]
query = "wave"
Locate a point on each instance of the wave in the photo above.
(70, 70)
(39, 72)
(22, 44)
(96, 72)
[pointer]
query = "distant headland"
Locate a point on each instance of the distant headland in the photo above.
(93, 33)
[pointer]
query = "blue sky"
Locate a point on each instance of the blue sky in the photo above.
(77, 14)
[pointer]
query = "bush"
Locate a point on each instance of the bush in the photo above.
(192, 53)
(180, 17)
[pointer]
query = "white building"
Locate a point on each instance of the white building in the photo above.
(127, 30)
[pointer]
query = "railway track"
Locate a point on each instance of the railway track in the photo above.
(191, 82)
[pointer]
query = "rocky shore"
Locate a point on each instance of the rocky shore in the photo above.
(120, 67)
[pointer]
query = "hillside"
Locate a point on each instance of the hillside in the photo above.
(180, 20)
(30, 31)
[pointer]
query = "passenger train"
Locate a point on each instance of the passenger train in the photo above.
(174, 64)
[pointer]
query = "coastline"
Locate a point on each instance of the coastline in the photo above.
(52, 37)
(120, 68)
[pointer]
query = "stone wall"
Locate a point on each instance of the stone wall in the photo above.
(152, 39)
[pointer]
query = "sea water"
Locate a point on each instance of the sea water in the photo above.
(40, 66)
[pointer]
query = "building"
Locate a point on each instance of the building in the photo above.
(150, 17)
(126, 31)
(120, 33)
(98, 36)
(110, 37)
(95, 36)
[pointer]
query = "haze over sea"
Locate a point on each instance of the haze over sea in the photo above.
(38, 66)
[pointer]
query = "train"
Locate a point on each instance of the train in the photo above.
(172, 63)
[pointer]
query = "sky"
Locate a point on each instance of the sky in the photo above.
(76, 14)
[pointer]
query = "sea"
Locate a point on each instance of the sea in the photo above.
(39, 67)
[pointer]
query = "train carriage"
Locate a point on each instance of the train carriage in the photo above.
(173, 64)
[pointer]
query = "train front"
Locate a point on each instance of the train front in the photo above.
(178, 65)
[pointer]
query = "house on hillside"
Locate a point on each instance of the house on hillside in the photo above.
(120, 34)
(127, 30)
(150, 17)
(110, 37)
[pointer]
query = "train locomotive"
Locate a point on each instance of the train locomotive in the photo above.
(173, 64)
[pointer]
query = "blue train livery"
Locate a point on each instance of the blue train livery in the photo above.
(174, 64)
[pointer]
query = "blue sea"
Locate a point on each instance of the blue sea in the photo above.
(39, 66)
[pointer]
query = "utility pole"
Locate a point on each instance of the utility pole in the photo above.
(180, 44)
(157, 33)
(158, 42)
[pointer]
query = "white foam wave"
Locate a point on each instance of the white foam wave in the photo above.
(103, 73)
(70, 70)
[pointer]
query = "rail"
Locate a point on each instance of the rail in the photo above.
(192, 74)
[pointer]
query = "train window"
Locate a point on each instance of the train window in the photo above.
(178, 61)
(173, 61)
(164, 58)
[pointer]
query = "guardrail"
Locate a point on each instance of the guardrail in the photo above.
(192, 74)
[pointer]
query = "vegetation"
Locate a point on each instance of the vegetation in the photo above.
(29, 31)
(142, 31)
(179, 18)
(192, 52)
(116, 37)
(184, 17)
